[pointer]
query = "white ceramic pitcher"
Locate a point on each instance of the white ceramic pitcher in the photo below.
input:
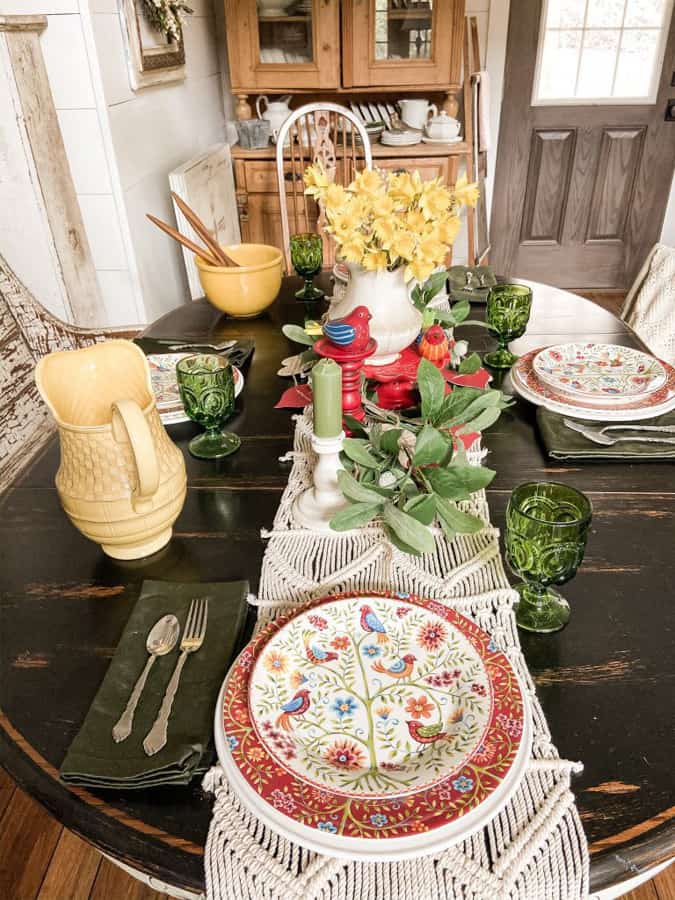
(276, 112)
(415, 113)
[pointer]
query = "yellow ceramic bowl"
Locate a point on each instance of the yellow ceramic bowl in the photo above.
(246, 290)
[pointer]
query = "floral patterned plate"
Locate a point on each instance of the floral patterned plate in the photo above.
(165, 386)
(530, 387)
(373, 726)
(599, 372)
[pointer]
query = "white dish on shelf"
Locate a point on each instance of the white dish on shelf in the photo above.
(430, 140)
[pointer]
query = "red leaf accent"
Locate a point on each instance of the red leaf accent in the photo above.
(479, 379)
(295, 397)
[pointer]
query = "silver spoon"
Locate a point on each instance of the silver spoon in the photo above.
(161, 640)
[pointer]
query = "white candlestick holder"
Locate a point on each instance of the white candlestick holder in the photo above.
(316, 506)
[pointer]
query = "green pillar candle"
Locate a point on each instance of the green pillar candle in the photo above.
(327, 393)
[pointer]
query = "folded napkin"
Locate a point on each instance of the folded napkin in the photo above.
(93, 758)
(563, 443)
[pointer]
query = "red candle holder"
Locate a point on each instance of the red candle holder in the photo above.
(351, 363)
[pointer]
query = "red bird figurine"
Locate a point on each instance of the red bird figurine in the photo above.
(425, 734)
(294, 707)
(351, 332)
(434, 345)
(370, 623)
(399, 669)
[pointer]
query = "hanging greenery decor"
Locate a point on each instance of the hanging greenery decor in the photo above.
(166, 16)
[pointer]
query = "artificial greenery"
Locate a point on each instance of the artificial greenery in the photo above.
(411, 473)
(166, 16)
(421, 296)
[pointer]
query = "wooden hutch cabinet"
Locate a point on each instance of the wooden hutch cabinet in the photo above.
(362, 50)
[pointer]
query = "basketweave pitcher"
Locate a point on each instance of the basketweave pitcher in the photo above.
(121, 480)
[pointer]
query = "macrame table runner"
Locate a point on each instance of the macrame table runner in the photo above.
(535, 848)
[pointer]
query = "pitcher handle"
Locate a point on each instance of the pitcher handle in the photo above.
(129, 422)
(258, 102)
(433, 109)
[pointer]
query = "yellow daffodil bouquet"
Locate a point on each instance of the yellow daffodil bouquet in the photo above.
(386, 220)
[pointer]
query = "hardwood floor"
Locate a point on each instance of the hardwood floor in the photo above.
(42, 860)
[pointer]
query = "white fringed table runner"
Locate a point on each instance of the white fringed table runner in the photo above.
(535, 849)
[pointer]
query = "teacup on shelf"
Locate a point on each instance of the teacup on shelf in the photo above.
(442, 127)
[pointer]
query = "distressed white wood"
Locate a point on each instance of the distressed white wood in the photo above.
(36, 261)
(108, 31)
(53, 173)
(206, 183)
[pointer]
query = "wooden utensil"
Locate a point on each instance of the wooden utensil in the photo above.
(186, 242)
(203, 232)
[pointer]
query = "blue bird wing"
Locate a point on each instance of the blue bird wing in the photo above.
(375, 623)
(292, 705)
(340, 333)
(318, 652)
(398, 666)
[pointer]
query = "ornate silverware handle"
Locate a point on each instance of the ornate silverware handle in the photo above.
(122, 728)
(667, 429)
(639, 439)
(156, 737)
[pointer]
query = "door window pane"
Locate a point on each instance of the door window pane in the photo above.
(285, 31)
(560, 60)
(636, 61)
(596, 72)
(403, 29)
(601, 50)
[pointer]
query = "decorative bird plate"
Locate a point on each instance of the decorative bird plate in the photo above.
(626, 409)
(600, 372)
(373, 726)
(165, 386)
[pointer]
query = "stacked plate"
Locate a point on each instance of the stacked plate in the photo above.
(406, 138)
(165, 386)
(596, 381)
(373, 727)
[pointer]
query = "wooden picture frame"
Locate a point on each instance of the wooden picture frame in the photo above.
(151, 58)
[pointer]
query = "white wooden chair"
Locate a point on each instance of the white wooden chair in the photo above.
(649, 308)
(27, 332)
(325, 132)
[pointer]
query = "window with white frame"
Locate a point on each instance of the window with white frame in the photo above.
(607, 51)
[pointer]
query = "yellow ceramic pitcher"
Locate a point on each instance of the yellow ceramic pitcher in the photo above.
(121, 480)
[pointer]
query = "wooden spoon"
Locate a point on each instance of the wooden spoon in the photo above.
(203, 232)
(186, 242)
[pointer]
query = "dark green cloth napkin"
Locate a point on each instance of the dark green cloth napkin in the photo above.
(563, 443)
(93, 758)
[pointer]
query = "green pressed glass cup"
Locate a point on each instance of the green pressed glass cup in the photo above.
(206, 385)
(507, 315)
(307, 259)
(546, 528)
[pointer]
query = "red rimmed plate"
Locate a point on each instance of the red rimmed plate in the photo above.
(373, 726)
(531, 388)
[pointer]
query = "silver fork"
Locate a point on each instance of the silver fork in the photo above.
(193, 638)
(598, 437)
(623, 426)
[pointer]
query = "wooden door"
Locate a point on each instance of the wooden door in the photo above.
(585, 158)
(283, 51)
(417, 45)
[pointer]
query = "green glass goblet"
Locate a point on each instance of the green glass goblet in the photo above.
(507, 315)
(307, 259)
(546, 528)
(206, 385)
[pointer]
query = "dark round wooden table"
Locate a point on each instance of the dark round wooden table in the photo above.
(605, 682)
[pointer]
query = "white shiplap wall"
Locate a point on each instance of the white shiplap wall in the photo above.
(121, 145)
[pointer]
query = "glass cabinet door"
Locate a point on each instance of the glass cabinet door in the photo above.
(282, 45)
(406, 42)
